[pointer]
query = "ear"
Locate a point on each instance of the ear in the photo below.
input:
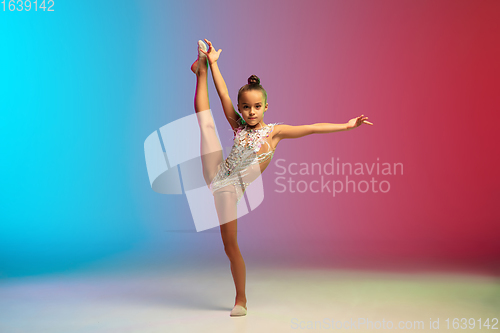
(238, 107)
(267, 105)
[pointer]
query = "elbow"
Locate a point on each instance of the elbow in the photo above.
(313, 129)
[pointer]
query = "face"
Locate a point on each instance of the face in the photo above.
(252, 107)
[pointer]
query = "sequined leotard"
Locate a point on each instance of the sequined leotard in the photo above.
(243, 162)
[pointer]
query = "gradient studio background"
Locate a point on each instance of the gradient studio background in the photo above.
(82, 87)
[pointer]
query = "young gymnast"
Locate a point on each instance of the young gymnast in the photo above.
(253, 149)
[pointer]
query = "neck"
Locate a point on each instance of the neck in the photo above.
(257, 126)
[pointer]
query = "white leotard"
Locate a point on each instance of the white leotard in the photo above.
(243, 162)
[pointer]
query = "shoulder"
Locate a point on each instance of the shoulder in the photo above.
(276, 127)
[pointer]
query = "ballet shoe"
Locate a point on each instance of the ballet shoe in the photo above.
(201, 56)
(202, 46)
(238, 311)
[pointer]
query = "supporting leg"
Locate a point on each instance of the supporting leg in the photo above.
(225, 202)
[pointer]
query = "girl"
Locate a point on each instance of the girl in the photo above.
(254, 146)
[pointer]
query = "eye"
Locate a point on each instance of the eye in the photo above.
(245, 107)
(258, 106)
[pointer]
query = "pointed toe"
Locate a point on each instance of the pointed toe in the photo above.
(238, 311)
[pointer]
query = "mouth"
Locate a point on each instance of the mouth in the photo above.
(252, 118)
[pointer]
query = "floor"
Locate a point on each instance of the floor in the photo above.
(279, 300)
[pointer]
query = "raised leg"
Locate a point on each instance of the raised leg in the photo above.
(211, 149)
(225, 203)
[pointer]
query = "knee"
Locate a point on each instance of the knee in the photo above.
(232, 251)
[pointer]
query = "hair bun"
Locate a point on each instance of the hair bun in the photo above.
(254, 79)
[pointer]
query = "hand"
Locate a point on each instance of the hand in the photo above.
(211, 54)
(355, 122)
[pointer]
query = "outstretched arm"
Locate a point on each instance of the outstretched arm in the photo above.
(293, 132)
(220, 86)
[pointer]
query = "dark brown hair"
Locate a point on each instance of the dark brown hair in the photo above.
(253, 84)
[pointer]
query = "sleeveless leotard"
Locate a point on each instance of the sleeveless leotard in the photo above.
(243, 162)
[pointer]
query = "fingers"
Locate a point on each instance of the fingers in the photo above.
(362, 120)
(210, 46)
(366, 121)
